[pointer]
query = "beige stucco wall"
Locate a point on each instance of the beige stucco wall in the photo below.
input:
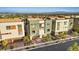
(14, 32)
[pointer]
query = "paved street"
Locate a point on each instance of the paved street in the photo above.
(57, 47)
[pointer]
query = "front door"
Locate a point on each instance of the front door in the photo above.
(41, 30)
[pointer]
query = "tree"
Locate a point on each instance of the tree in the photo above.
(27, 40)
(74, 47)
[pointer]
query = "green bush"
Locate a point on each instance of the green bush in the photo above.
(5, 44)
(46, 38)
(27, 40)
(75, 33)
(74, 47)
(62, 35)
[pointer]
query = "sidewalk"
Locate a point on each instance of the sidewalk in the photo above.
(34, 46)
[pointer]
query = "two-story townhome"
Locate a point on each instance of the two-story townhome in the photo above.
(12, 28)
(76, 24)
(61, 25)
(38, 27)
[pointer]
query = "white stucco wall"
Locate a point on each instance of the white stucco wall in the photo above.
(14, 32)
(62, 26)
(71, 26)
(41, 30)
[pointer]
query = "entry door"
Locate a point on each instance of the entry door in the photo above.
(41, 30)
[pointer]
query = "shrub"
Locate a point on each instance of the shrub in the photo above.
(62, 34)
(47, 37)
(5, 44)
(75, 33)
(74, 47)
(26, 40)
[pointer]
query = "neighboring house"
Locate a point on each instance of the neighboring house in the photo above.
(61, 25)
(71, 23)
(37, 27)
(76, 24)
(11, 28)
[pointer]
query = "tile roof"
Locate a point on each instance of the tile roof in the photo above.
(10, 20)
(31, 18)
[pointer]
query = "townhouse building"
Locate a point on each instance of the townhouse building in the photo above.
(12, 28)
(37, 27)
(76, 24)
(61, 25)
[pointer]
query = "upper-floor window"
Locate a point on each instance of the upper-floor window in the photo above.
(20, 30)
(48, 30)
(33, 31)
(58, 25)
(65, 22)
(48, 24)
(33, 25)
(41, 25)
(11, 27)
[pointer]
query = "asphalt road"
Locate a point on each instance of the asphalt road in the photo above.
(57, 47)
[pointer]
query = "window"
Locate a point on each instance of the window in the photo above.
(33, 31)
(48, 30)
(20, 30)
(0, 36)
(11, 27)
(48, 24)
(41, 25)
(33, 26)
(8, 27)
(78, 22)
(65, 23)
(58, 25)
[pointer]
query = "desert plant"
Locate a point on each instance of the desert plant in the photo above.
(74, 47)
(26, 40)
(46, 38)
(49, 36)
(5, 44)
(62, 35)
(75, 33)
